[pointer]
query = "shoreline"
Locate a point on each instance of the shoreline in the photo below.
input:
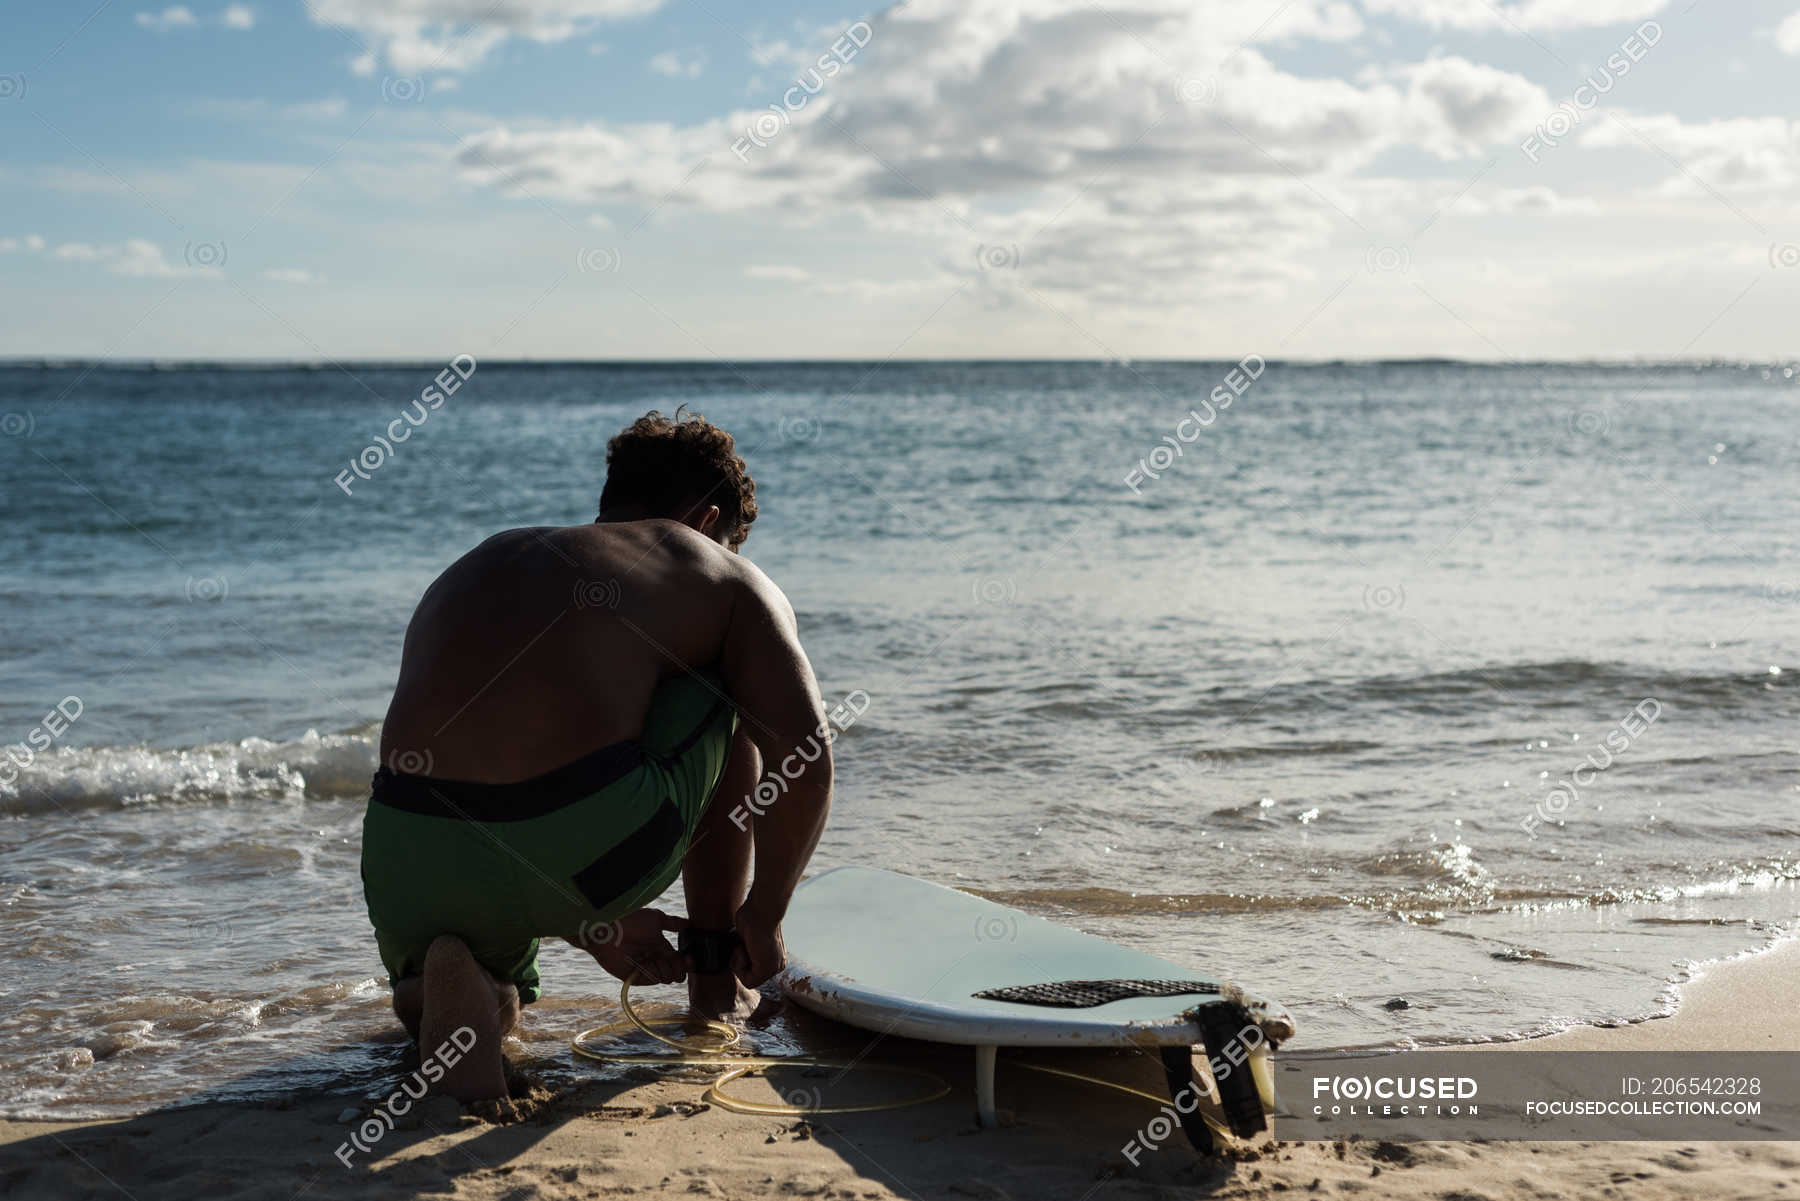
(1738, 1004)
(655, 1138)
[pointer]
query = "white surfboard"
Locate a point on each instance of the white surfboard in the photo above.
(899, 955)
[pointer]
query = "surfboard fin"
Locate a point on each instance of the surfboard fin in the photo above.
(1222, 1028)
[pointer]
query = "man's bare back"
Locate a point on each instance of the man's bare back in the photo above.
(543, 644)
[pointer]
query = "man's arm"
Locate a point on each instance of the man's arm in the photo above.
(716, 875)
(769, 679)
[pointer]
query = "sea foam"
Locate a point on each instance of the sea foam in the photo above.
(313, 765)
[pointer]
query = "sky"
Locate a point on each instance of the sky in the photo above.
(641, 179)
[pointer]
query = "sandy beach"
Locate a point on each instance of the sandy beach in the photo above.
(1063, 1141)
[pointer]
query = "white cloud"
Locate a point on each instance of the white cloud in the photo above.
(143, 258)
(175, 17)
(1463, 106)
(679, 64)
(1535, 201)
(873, 291)
(31, 242)
(996, 101)
(867, 290)
(1534, 15)
(180, 16)
(768, 53)
(1326, 22)
(454, 35)
(1737, 154)
(1144, 243)
(136, 257)
(778, 271)
(1142, 152)
(291, 275)
(1787, 34)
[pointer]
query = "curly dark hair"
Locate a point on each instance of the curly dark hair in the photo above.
(668, 465)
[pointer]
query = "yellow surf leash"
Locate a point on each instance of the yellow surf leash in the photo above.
(713, 1050)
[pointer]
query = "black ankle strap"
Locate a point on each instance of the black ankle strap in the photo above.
(711, 949)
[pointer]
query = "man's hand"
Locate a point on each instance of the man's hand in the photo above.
(763, 953)
(634, 945)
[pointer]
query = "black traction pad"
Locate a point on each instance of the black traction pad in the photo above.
(1085, 994)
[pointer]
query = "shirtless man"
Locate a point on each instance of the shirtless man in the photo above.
(580, 711)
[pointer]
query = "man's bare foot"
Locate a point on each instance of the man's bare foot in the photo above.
(465, 1015)
(719, 996)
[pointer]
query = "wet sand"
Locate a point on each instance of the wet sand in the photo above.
(655, 1139)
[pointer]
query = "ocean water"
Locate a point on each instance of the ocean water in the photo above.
(1303, 701)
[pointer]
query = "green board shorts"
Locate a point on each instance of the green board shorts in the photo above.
(500, 865)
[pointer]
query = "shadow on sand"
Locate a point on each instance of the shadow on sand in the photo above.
(641, 1130)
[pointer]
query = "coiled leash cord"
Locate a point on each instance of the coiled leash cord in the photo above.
(713, 1049)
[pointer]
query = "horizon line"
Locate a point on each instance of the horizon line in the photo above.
(92, 361)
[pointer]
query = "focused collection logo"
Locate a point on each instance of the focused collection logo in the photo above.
(1376, 1096)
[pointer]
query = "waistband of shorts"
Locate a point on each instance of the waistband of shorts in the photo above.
(522, 800)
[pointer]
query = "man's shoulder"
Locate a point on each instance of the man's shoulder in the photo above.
(647, 552)
(651, 545)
